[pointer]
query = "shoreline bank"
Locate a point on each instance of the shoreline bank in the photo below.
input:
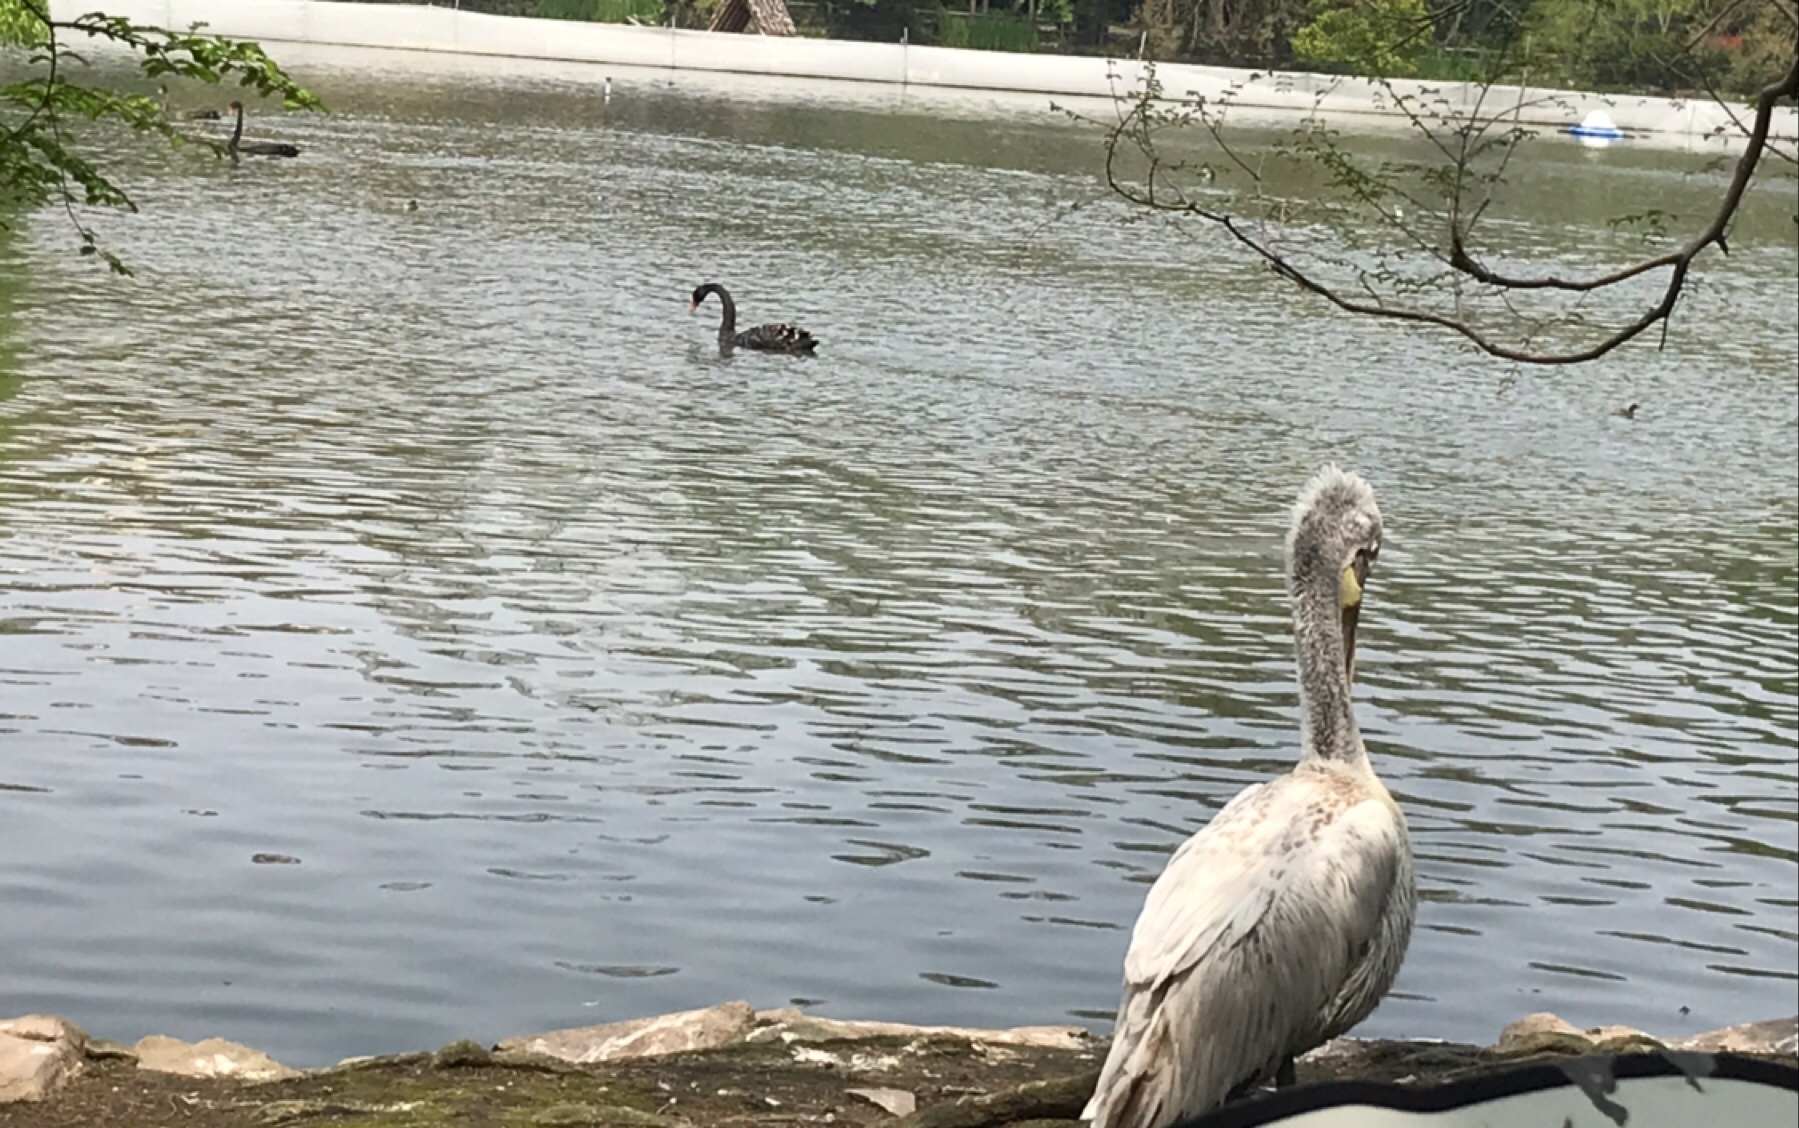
(698, 1067)
(453, 31)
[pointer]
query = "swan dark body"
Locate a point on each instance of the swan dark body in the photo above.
(763, 338)
(186, 115)
(238, 145)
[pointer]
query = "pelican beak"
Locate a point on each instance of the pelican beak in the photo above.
(1351, 602)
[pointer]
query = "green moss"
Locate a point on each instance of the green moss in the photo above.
(1545, 1042)
(1631, 1044)
(592, 1116)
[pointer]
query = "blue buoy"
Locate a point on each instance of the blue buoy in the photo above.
(1597, 125)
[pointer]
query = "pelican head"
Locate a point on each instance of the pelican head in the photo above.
(1334, 542)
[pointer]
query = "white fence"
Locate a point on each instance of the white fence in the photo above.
(443, 29)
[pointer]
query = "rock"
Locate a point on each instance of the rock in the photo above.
(600, 1116)
(278, 1113)
(46, 1028)
(37, 1053)
(682, 1032)
(536, 1063)
(1334, 1050)
(1542, 1033)
(1393, 1062)
(99, 1049)
(1546, 1033)
(1773, 1036)
(1545, 1042)
(790, 1024)
(1629, 1042)
(1062, 1098)
(461, 1054)
(849, 1062)
(895, 1102)
(1539, 1023)
(213, 1057)
(363, 1062)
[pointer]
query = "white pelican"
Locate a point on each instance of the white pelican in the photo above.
(1282, 923)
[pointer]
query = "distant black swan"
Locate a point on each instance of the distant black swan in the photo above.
(255, 148)
(184, 115)
(764, 338)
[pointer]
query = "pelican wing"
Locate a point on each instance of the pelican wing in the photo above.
(1246, 942)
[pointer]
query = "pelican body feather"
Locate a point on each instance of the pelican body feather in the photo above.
(1283, 922)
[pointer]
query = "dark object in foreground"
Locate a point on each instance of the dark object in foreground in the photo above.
(238, 145)
(782, 338)
(1669, 1089)
(1626, 412)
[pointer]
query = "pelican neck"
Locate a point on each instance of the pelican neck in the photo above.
(1327, 711)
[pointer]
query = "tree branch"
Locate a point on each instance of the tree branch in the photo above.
(1136, 130)
(1756, 144)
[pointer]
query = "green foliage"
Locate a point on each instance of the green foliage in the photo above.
(20, 27)
(1607, 44)
(986, 31)
(600, 11)
(1660, 46)
(1378, 38)
(1466, 64)
(43, 160)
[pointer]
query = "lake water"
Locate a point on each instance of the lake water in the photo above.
(413, 629)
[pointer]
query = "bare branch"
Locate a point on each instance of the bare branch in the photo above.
(1392, 299)
(1680, 260)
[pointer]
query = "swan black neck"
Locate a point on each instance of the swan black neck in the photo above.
(728, 327)
(237, 131)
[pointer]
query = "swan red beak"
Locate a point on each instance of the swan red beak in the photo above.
(693, 307)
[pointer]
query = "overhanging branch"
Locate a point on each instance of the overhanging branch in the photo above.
(1136, 128)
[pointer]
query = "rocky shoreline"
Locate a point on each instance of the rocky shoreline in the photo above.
(724, 1065)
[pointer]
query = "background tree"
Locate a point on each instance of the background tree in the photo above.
(1385, 36)
(54, 123)
(1415, 240)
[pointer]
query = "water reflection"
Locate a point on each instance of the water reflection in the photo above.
(585, 674)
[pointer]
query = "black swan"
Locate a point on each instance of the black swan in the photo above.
(763, 338)
(255, 148)
(185, 115)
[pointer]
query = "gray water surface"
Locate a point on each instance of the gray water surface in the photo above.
(414, 629)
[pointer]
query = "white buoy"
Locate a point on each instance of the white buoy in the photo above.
(1597, 126)
(606, 92)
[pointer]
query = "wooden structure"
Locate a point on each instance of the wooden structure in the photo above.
(771, 17)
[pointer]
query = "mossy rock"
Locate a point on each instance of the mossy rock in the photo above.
(1060, 1098)
(599, 1116)
(98, 1049)
(1545, 1043)
(462, 1054)
(1631, 1044)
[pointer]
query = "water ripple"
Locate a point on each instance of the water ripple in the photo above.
(439, 553)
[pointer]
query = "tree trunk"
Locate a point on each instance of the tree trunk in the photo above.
(771, 17)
